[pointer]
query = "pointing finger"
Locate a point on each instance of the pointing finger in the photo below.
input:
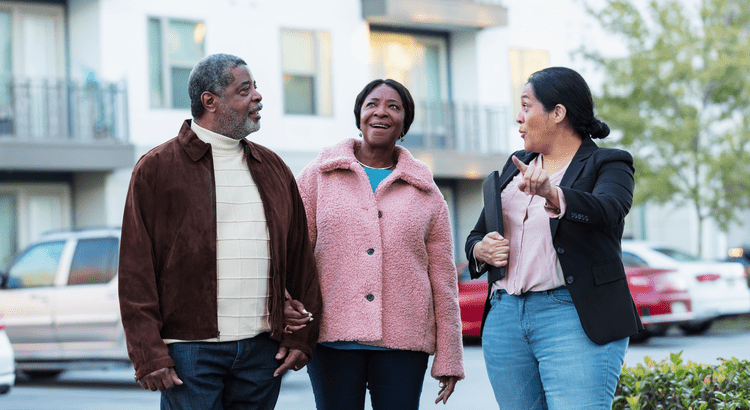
(520, 165)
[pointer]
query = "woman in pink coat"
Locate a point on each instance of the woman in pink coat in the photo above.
(383, 245)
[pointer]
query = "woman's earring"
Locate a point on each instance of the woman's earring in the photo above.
(402, 137)
(360, 134)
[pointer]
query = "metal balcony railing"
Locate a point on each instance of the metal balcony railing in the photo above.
(463, 127)
(58, 110)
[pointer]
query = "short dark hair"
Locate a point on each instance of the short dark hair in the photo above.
(213, 74)
(561, 85)
(406, 100)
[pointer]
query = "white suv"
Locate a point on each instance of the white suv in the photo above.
(61, 305)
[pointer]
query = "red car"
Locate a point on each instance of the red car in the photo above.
(660, 296)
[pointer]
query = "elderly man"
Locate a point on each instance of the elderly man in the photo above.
(214, 233)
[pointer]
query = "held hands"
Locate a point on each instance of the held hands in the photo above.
(536, 182)
(447, 385)
(295, 318)
(295, 315)
(493, 249)
(161, 379)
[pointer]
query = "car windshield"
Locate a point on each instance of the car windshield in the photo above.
(678, 255)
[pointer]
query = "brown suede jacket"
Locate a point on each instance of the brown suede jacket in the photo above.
(167, 276)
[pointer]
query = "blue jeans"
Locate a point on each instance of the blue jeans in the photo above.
(225, 375)
(339, 378)
(538, 356)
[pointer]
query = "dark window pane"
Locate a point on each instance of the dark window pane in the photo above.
(299, 94)
(180, 97)
(94, 261)
(37, 266)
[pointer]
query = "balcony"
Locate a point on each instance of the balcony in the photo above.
(455, 139)
(63, 126)
(436, 14)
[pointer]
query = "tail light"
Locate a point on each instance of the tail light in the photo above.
(2, 322)
(708, 277)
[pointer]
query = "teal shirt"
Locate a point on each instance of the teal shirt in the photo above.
(376, 176)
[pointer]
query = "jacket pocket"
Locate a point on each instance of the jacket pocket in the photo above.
(608, 272)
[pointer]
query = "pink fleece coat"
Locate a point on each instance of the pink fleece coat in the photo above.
(385, 259)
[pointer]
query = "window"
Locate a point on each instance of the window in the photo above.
(8, 234)
(94, 261)
(420, 63)
(629, 260)
(523, 63)
(306, 65)
(37, 267)
(174, 46)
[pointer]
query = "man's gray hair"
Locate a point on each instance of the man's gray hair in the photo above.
(213, 74)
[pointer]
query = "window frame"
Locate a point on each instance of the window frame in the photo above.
(322, 81)
(167, 100)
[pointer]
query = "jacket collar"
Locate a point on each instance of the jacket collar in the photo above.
(408, 168)
(196, 148)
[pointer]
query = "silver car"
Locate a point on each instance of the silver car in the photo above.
(61, 305)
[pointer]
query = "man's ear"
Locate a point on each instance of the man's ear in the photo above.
(559, 112)
(209, 101)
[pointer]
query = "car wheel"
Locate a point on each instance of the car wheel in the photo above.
(42, 374)
(694, 329)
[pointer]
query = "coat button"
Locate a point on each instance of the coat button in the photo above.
(380, 214)
(560, 250)
(370, 297)
(569, 280)
(370, 251)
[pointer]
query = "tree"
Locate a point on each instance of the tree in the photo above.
(681, 101)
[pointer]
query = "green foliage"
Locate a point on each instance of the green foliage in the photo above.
(681, 100)
(689, 386)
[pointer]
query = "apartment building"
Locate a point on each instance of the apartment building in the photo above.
(90, 85)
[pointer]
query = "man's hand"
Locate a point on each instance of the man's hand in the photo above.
(293, 359)
(161, 380)
(447, 385)
(493, 249)
(295, 315)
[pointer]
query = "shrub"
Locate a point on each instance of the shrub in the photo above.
(691, 386)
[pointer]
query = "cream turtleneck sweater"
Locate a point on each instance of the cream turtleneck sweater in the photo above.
(242, 251)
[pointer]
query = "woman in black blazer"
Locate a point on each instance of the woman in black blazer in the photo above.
(558, 313)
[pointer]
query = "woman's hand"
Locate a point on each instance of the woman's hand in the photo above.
(493, 249)
(295, 315)
(447, 385)
(536, 182)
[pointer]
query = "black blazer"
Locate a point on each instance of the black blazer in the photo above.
(598, 188)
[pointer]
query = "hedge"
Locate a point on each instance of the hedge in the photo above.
(691, 386)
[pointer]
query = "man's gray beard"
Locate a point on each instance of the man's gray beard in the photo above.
(237, 130)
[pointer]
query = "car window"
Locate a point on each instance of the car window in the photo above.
(94, 261)
(629, 260)
(37, 266)
(677, 255)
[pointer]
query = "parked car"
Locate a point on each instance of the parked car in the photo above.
(717, 289)
(61, 304)
(471, 296)
(7, 361)
(660, 295)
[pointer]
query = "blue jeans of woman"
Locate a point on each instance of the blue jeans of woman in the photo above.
(339, 378)
(226, 375)
(539, 357)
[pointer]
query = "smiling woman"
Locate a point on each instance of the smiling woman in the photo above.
(384, 251)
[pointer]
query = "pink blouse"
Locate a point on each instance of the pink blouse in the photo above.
(532, 263)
